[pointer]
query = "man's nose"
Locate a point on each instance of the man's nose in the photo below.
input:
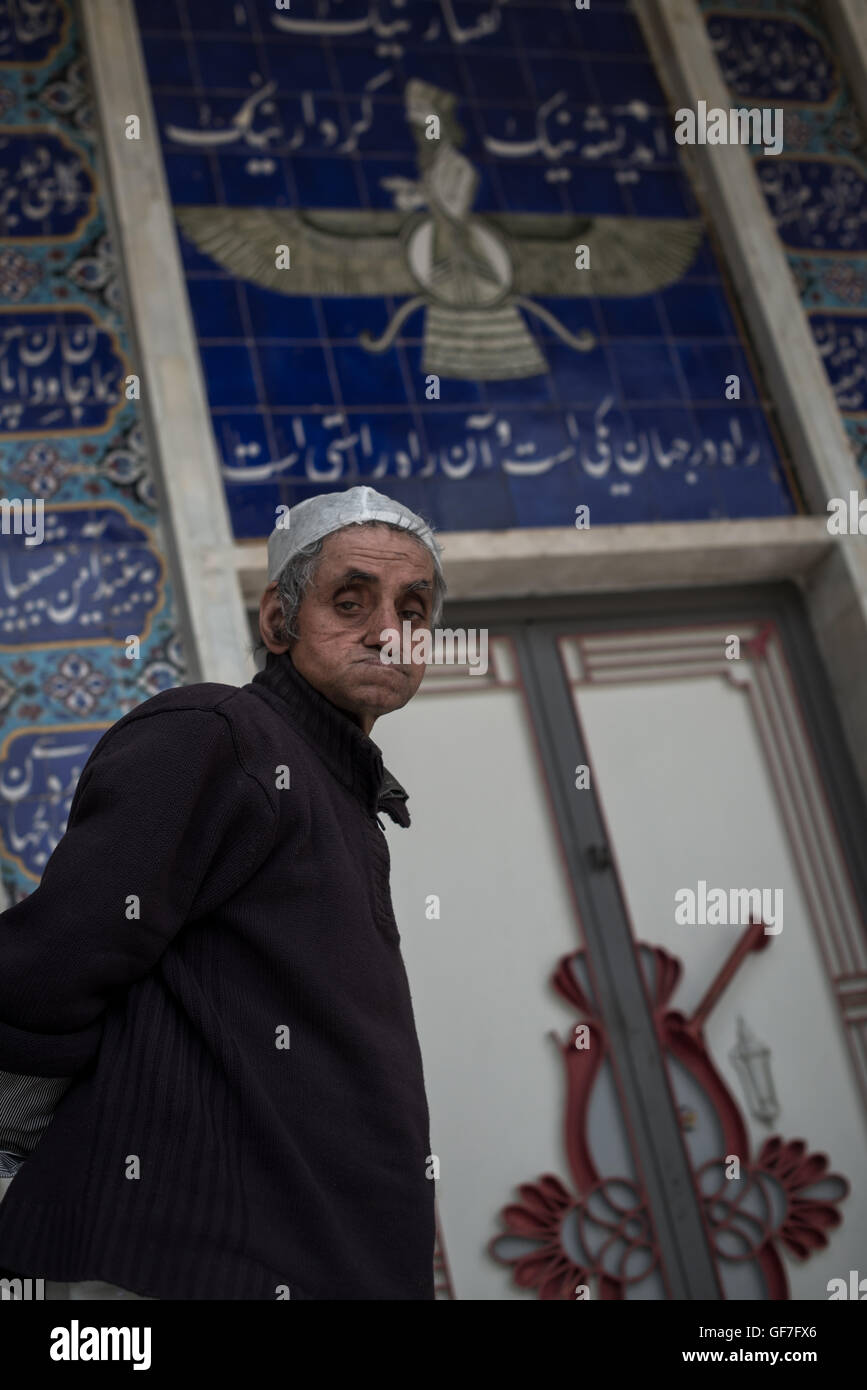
(384, 617)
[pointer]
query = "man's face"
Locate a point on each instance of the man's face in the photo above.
(369, 578)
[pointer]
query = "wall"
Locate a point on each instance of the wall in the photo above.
(69, 435)
(779, 53)
(562, 386)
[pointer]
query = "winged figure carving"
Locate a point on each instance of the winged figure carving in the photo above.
(473, 274)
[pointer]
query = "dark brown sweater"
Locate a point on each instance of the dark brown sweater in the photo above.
(215, 961)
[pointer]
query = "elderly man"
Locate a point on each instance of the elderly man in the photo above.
(209, 974)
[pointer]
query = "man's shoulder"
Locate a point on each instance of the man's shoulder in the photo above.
(252, 722)
(207, 699)
(199, 726)
(207, 696)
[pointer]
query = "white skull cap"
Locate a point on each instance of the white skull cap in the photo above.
(316, 517)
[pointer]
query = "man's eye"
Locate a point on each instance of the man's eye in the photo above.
(348, 603)
(411, 613)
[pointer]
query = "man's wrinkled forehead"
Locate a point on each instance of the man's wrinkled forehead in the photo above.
(358, 555)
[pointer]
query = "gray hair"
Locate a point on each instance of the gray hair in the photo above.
(299, 573)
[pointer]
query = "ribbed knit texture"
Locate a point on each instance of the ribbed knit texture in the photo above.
(27, 1104)
(261, 909)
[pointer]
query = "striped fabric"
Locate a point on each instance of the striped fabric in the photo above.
(27, 1105)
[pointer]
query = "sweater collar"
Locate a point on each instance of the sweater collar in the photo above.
(348, 753)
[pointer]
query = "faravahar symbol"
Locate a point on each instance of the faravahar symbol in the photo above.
(473, 274)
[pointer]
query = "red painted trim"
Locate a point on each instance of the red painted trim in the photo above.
(443, 1286)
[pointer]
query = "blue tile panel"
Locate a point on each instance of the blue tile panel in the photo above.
(551, 119)
(777, 54)
(81, 568)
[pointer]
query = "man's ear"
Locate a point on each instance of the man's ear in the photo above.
(271, 620)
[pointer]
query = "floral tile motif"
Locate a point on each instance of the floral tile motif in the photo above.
(779, 52)
(77, 685)
(74, 441)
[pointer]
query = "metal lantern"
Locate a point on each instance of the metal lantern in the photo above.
(753, 1062)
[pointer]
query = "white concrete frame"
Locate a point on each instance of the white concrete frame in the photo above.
(217, 577)
(836, 590)
(195, 517)
(847, 21)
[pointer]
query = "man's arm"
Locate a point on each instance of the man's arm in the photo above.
(165, 824)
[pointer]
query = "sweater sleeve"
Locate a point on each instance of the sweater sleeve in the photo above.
(165, 824)
(27, 1105)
